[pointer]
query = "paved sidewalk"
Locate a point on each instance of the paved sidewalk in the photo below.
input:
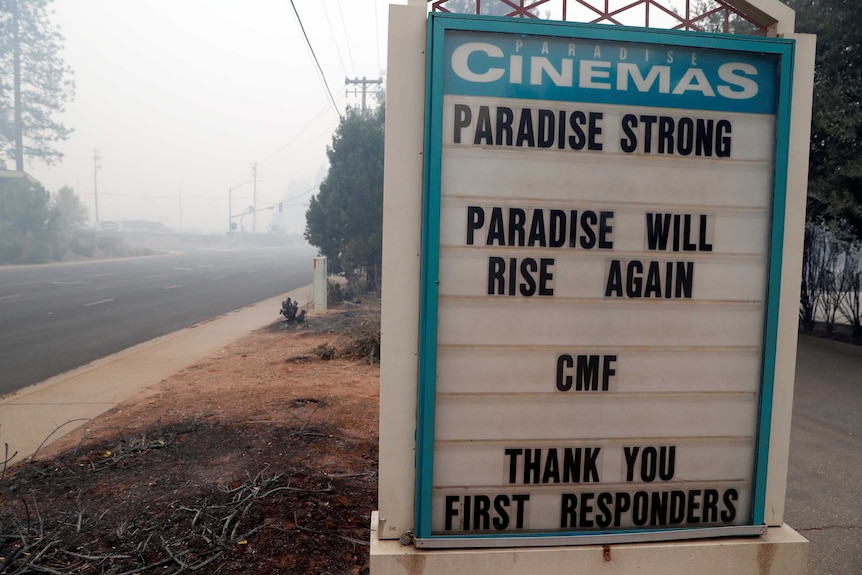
(57, 406)
(823, 486)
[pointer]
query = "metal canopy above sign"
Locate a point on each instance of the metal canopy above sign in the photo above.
(603, 232)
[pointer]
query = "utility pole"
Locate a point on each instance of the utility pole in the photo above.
(364, 82)
(16, 66)
(254, 198)
(181, 207)
(230, 216)
(96, 166)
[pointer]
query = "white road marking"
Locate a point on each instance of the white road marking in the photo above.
(98, 302)
(174, 286)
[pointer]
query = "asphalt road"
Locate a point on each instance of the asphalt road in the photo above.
(57, 317)
(824, 489)
(54, 318)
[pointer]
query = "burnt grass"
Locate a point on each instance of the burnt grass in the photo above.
(136, 505)
(202, 495)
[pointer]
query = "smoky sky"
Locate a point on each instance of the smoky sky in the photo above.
(181, 97)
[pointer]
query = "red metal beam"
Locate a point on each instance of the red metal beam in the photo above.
(603, 13)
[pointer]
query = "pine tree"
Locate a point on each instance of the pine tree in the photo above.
(71, 213)
(35, 83)
(835, 180)
(345, 219)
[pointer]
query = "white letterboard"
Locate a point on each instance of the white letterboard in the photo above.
(599, 235)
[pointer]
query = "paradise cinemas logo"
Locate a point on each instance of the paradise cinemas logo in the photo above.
(564, 69)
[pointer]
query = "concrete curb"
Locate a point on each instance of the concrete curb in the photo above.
(44, 412)
(832, 345)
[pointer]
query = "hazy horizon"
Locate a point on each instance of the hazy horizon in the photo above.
(181, 98)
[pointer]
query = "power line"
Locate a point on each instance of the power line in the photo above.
(165, 196)
(334, 41)
(315, 186)
(377, 33)
(302, 131)
(316, 61)
(346, 37)
(308, 126)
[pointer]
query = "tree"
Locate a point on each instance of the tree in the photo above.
(835, 179)
(710, 16)
(38, 86)
(71, 213)
(345, 219)
(850, 286)
(27, 222)
(831, 278)
(486, 7)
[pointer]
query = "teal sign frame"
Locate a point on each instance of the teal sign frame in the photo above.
(771, 57)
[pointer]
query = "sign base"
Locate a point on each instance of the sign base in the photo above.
(779, 550)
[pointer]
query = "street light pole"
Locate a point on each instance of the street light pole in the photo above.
(254, 199)
(230, 203)
(96, 166)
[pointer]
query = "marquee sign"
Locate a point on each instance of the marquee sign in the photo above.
(603, 228)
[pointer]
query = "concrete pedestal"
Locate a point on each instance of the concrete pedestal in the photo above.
(781, 551)
(321, 285)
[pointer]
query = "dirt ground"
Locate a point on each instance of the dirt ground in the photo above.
(260, 459)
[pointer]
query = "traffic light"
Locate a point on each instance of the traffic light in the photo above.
(280, 208)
